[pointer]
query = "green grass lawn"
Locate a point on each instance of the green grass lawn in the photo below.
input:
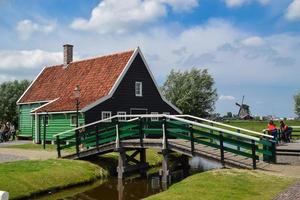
(24, 178)
(226, 184)
(39, 147)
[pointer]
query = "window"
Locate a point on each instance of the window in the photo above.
(73, 120)
(121, 118)
(105, 115)
(138, 89)
(154, 118)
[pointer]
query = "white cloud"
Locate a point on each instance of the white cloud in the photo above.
(30, 59)
(293, 11)
(254, 41)
(239, 3)
(26, 28)
(227, 98)
(121, 16)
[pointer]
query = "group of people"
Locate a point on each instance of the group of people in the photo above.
(284, 132)
(7, 131)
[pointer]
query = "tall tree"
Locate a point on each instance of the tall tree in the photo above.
(10, 92)
(297, 104)
(191, 91)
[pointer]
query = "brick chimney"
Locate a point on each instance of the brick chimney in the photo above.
(68, 54)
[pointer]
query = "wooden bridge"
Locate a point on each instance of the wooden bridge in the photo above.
(185, 134)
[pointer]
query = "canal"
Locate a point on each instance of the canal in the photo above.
(132, 188)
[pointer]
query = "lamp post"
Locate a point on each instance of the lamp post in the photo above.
(77, 95)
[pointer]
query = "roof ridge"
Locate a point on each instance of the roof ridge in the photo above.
(93, 58)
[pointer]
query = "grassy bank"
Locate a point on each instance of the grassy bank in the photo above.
(226, 184)
(25, 178)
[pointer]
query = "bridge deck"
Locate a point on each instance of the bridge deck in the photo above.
(176, 145)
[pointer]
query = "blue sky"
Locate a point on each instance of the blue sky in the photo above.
(251, 47)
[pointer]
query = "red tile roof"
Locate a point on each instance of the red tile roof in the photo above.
(95, 78)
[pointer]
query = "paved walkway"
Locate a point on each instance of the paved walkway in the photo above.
(11, 154)
(288, 166)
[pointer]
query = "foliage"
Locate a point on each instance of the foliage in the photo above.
(226, 184)
(191, 91)
(297, 104)
(25, 178)
(10, 92)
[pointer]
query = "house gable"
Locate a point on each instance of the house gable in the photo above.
(122, 97)
(136, 57)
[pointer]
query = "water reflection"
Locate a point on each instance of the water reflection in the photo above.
(117, 189)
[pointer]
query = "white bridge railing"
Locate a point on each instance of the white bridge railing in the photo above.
(181, 119)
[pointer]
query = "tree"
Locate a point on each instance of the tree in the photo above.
(10, 92)
(229, 115)
(297, 104)
(191, 91)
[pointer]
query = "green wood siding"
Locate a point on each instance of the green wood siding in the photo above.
(26, 121)
(58, 123)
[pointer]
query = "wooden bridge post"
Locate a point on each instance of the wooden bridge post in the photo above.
(121, 163)
(143, 162)
(58, 146)
(222, 149)
(141, 134)
(192, 140)
(253, 154)
(165, 134)
(77, 141)
(97, 136)
(117, 135)
(164, 172)
(238, 147)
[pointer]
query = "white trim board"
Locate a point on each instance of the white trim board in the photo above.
(120, 78)
(31, 85)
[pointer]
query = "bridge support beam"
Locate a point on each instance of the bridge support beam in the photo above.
(164, 172)
(128, 163)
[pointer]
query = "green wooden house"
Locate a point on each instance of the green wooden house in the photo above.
(120, 83)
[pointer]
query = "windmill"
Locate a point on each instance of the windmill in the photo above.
(244, 110)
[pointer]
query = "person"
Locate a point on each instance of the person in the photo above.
(12, 131)
(272, 130)
(285, 131)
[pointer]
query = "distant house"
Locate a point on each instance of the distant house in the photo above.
(120, 83)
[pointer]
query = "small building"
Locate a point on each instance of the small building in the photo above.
(120, 83)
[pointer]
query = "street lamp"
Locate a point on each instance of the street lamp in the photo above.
(77, 96)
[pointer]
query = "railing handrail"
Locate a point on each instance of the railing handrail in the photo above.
(167, 116)
(215, 128)
(109, 119)
(226, 125)
(295, 126)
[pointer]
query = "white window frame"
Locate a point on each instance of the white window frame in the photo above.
(71, 116)
(103, 113)
(121, 119)
(138, 87)
(154, 119)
